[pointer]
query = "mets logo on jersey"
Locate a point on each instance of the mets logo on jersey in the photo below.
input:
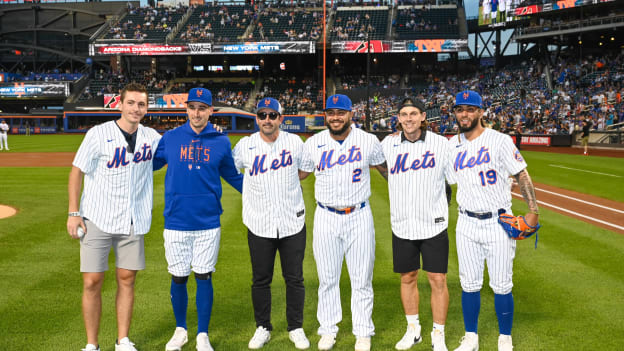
(119, 159)
(518, 156)
(466, 95)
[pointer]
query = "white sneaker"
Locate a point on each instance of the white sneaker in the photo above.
(362, 343)
(411, 337)
(327, 341)
(203, 344)
(125, 345)
(179, 339)
(261, 337)
(437, 341)
(504, 343)
(299, 338)
(91, 347)
(469, 342)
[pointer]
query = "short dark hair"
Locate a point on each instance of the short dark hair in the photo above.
(136, 87)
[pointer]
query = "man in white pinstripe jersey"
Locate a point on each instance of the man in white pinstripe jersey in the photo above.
(115, 210)
(340, 158)
(483, 159)
(274, 213)
(418, 165)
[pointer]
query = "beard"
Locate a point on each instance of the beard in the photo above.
(340, 131)
(472, 126)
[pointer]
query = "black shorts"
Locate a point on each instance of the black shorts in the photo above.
(435, 252)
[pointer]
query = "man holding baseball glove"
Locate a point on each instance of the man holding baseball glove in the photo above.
(487, 231)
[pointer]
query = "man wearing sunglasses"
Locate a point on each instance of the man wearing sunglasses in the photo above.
(340, 158)
(274, 213)
(197, 156)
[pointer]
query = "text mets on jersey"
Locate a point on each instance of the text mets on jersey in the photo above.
(285, 160)
(194, 152)
(400, 165)
(354, 155)
(483, 156)
(119, 159)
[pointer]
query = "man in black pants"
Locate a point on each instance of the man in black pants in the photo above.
(274, 213)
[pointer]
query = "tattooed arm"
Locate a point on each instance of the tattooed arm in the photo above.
(528, 193)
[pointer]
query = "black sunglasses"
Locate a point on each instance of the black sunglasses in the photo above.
(272, 115)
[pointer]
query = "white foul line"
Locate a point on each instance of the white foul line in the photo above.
(584, 170)
(576, 214)
(583, 201)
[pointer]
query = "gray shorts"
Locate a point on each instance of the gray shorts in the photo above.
(95, 247)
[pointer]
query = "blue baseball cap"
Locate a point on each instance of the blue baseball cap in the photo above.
(338, 101)
(270, 103)
(200, 95)
(470, 98)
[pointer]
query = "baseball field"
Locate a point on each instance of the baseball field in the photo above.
(569, 292)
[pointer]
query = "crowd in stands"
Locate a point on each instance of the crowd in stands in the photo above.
(295, 95)
(52, 75)
(517, 99)
(281, 24)
(217, 23)
(142, 22)
(359, 81)
(111, 82)
(233, 94)
(351, 27)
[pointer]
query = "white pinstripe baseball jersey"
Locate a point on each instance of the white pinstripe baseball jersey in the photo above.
(118, 186)
(342, 170)
(272, 198)
(482, 167)
(416, 173)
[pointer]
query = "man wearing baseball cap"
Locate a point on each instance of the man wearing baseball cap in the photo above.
(274, 214)
(4, 128)
(419, 161)
(197, 156)
(340, 158)
(483, 160)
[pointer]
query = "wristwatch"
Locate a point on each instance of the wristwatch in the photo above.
(74, 214)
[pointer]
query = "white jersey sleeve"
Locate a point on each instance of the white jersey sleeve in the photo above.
(307, 161)
(88, 152)
(510, 157)
(377, 155)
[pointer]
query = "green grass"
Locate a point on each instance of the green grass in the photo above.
(45, 142)
(581, 173)
(567, 292)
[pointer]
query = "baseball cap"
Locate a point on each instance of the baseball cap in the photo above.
(200, 95)
(338, 101)
(468, 97)
(270, 103)
(412, 101)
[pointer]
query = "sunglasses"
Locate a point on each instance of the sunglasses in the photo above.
(272, 115)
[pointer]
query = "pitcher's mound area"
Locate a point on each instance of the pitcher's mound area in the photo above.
(7, 211)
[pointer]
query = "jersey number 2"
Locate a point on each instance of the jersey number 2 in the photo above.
(356, 175)
(489, 177)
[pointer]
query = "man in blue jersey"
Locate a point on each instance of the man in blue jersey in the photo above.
(197, 156)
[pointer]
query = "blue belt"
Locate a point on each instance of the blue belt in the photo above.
(482, 215)
(342, 211)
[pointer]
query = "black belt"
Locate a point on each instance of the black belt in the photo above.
(482, 215)
(341, 211)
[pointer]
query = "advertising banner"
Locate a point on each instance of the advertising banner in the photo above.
(294, 124)
(387, 46)
(140, 49)
(34, 90)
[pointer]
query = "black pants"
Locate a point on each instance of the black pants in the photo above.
(262, 252)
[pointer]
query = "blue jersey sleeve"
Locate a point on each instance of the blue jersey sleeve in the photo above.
(228, 170)
(160, 156)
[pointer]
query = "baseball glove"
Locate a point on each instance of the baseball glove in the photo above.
(516, 227)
